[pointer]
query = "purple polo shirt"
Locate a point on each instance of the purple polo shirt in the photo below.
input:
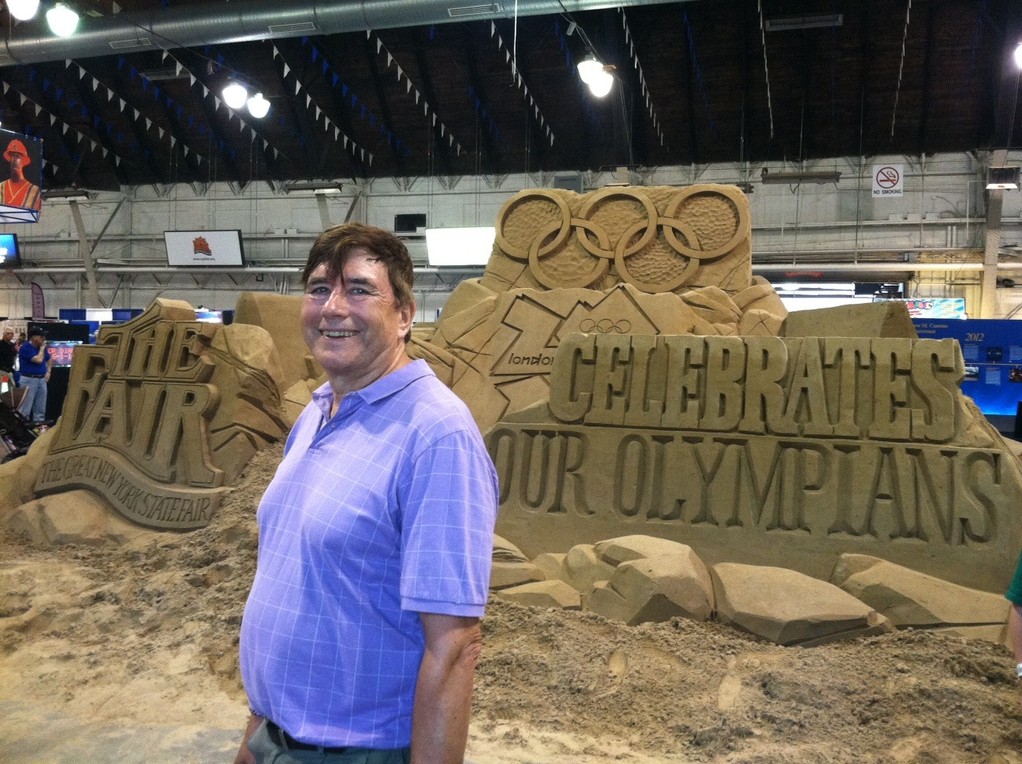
(384, 511)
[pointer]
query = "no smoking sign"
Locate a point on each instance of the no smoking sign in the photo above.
(887, 180)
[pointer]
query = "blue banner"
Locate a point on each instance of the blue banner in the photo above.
(992, 349)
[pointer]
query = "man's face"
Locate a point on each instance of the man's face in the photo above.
(8, 335)
(37, 340)
(17, 160)
(352, 323)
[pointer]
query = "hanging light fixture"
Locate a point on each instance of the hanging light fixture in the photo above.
(235, 95)
(594, 74)
(258, 106)
(1018, 55)
(23, 10)
(62, 20)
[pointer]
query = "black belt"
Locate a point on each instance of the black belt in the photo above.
(283, 740)
(34, 376)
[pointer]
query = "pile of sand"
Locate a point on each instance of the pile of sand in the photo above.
(113, 646)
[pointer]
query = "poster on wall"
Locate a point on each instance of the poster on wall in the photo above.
(21, 195)
(992, 351)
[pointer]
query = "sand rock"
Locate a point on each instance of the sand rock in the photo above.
(73, 517)
(582, 567)
(544, 594)
(910, 598)
(504, 574)
(296, 398)
(249, 377)
(280, 315)
(884, 319)
(552, 564)
(789, 608)
(656, 589)
(505, 551)
(625, 548)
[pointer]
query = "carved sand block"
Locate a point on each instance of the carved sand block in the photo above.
(766, 451)
(163, 413)
(657, 238)
(619, 261)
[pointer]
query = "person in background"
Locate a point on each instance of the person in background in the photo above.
(34, 363)
(8, 354)
(361, 632)
(1014, 595)
(18, 191)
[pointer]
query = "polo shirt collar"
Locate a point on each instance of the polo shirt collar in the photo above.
(382, 388)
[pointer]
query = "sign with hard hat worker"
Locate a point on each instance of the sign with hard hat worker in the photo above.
(20, 194)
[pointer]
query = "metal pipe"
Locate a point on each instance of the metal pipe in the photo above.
(160, 28)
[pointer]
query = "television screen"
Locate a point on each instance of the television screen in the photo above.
(204, 248)
(61, 352)
(10, 257)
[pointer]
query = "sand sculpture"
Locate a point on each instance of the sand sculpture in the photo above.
(633, 377)
(162, 414)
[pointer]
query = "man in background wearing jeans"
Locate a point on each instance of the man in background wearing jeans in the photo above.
(35, 362)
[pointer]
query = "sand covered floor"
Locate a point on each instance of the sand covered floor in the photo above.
(130, 655)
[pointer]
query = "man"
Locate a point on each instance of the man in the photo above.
(17, 191)
(34, 364)
(1014, 595)
(8, 353)
(361, 632)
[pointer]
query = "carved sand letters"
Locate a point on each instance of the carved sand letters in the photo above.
(837, 489)
(134, 428)
(897, 389)
(820, 444)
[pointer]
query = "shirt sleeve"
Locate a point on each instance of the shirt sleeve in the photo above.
(449, 509)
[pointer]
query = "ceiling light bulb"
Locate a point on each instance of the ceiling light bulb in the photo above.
(62, 20)
(600, 85)
(258, 106)
(590, 69)
(235, 95)
(1018, 55)
(23, 10)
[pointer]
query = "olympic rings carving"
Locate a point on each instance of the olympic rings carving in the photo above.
(549, 279)
(596, 199)
(557, 261)
(605, 326)
(733, 196)
(689, 270)
(530, 197)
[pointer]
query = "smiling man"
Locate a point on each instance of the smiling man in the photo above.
(361, 631)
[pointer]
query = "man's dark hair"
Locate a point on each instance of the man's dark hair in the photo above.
(334, 244)
(35, 332)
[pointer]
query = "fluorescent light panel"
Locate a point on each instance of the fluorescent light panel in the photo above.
(460, 246)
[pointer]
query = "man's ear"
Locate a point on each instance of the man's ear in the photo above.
(406, 313)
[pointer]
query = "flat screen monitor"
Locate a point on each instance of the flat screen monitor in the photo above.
(204, 248)
(10, 255)
(62, 351)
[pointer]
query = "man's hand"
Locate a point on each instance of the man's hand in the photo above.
(245, 756)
